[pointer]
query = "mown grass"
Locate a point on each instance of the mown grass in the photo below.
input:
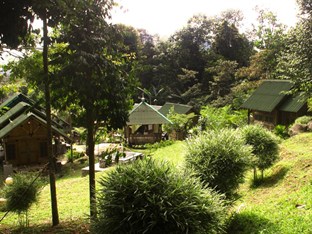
(281, 203)
(173, 154)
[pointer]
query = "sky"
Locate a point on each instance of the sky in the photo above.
(165, 17)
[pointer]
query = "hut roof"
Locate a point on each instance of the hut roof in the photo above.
(18, 107)
(272, 94)
(178, 108)
(17, 98)
(13, 112)
(24, 117)
(146, 114)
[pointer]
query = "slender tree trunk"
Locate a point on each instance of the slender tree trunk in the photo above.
(55, 217)
(90, 153)
(255, 174)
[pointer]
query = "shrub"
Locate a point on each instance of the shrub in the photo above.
(180, 123)
(303, 119)
(220, 159)
(281, 131)
(264, 146)
(150, 197)
(71, 157)
(21, 194)
(212, 118)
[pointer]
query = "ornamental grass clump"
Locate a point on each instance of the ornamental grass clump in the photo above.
(264, 147)
(220, 159)
(21, 194)
(150, 197)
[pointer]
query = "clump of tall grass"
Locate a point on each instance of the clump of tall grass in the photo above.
(21, 194)
(264, 147)
(220, 159)
(151, 197)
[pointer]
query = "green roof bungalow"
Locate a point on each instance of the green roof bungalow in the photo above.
(23, 132)
(180, 109)
(177, 108)
(271, 104)
(144, 125)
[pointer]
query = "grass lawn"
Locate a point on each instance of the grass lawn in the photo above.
(281, 204)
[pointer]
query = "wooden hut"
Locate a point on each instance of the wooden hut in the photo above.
(271, 104)
(23, 133)
(144, 125)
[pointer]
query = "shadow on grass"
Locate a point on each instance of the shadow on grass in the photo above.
(67, 227)
(277, 175)
(249, 223)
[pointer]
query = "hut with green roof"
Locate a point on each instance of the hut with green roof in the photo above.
(144, 125)
(272, 104)
(23, 132)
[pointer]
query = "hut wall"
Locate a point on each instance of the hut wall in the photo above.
(266, 119)
(26, 144)
(149, 134)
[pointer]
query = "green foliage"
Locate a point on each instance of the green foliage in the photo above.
(212, 118)
(223, 77)
(303, 120)
(220, 159)
(73, 155)
(82, 132)
(295, 60)
(22, 194)
(232, 45)
(158, 145)
(264, 145)
(151, 197)
(281, 131)
(181, 123)
(101, 135)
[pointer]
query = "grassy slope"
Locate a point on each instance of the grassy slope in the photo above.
(283, 201)
(282, 204)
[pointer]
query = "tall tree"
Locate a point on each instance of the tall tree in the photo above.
(93, 73)
(295, 63)
(232, 45)
(223, 77)
(269, 39)
(185, 58)
(15, 28)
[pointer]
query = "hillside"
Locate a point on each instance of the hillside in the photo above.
(282, 203)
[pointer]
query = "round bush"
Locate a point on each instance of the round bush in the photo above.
(150, 197)
(264, 145)
(220, 159)
(22, 193)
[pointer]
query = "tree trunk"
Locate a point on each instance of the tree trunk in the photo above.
(255, 174)
(55, 217)
(90, 153)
